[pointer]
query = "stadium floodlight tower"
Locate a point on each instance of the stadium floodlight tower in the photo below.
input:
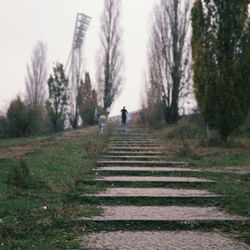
(74, 67)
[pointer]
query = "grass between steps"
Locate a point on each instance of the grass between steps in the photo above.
(36, 202)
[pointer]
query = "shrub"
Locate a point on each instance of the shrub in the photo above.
(19, 176)
(22, 119)
(153, 115)
(183, 130)
(3, 127)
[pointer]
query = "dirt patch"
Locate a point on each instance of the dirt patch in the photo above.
(17, 151)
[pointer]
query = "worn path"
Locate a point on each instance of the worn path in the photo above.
(143, 190)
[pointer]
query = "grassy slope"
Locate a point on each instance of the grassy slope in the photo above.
(37, 215)
(188, 141)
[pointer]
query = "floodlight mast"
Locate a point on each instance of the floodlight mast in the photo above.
(74, 66)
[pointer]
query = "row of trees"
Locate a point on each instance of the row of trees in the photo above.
(32, 115)
(39, 109)
(205, 45)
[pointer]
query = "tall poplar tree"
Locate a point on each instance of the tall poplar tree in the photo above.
(170, 55)
(221, 55)
(110, 58)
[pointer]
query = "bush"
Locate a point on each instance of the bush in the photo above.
(23, 120)
(211, 140)
(183, 130)
(19, 176)
(153, 116)
(3, 127)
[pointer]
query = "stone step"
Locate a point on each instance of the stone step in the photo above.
(154, 193)
(133, 152)
(133, 139)
(132, 157)
(145, 169)
(130, 134)
(185, 214)
(135, 148)
(132, 142)
(135, 144)
(150, 179)
(161, 240)
(137, 163)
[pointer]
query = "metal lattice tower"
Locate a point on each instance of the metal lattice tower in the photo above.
(74, 65)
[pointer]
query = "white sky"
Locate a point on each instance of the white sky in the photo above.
(23, 23)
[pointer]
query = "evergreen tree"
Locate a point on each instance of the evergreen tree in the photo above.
(88, 101)
(20, 119)
(221, 54)
(58, 99)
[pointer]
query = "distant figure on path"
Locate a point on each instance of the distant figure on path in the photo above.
(102, 123)
(124, 115)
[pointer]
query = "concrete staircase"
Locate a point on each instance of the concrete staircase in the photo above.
(144, 190)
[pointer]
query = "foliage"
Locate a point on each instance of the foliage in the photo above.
(58, 99)
(152, 115)
(19, 176)
(88, 102)
(110, 58)
(221, 54)
(40, 216)
(152, 110)
(3, 127)
(169, 57)
(21, 119)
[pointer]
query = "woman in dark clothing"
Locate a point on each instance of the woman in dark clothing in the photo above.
(124, 115)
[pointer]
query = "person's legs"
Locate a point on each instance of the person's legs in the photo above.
(124, 119)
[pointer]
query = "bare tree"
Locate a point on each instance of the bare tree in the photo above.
(170, 54)
(110, 58)
(37, 73)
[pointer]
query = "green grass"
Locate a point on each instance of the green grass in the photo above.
(38, 214)
(41, 214)
(188, 141)
(223, 159)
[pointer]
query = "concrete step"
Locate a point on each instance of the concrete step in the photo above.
(124, 152)
(130, 134)
(154, 193)
(150, 179)
(161, 240)
(135, 144)
(145, 169)
(184, 214)
(139, 163)
(133, 157)
(133, 139)
(135, 148)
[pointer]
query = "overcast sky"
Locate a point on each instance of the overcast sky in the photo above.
(23, 23)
